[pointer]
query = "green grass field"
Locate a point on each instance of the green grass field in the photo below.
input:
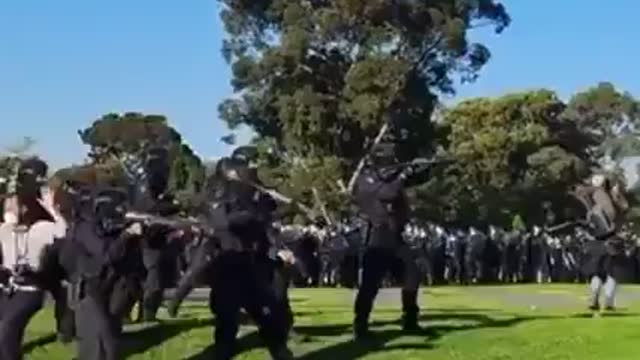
(515, 322)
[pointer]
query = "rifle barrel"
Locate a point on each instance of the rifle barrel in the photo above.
(173, 222)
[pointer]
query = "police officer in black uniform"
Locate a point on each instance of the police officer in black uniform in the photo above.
(95, 243)
(270, 257)
(240, 230)
(274, 258)
(72, 197)
(160, 203)
(380, 196)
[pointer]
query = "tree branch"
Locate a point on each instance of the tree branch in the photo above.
(376, 141)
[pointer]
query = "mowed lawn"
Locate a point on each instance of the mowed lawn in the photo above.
(476, 323)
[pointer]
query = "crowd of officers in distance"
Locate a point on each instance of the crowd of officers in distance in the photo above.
(98, 256)
(329, 256)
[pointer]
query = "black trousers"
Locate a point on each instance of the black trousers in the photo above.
(127, 291)
(15, 312)
(199, 266)
(153, 284)
(65, 319)
(237, 285)
(376, 263)
(279, 276)
(97, 330)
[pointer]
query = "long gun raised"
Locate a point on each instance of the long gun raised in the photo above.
(172, 222)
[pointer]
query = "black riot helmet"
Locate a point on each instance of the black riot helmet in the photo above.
(249, 156)
(235, 179)
(30, 177)
(157, 168)
(383, 157)
(383, 154)
(231, 169)
(109, 211)
(74, 200)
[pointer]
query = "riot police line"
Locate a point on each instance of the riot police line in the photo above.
(100, 251)
(451, 256)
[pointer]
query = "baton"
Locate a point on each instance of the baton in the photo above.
(275, 195)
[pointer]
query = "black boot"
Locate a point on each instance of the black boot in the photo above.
(150, 308)
(410, 322)
(172, 308)
(410, 311)
(361, 330)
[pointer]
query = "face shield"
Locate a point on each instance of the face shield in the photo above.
(110, 212)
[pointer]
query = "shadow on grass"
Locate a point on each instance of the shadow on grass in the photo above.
(29, 346)
(245, 343)
(140, 341)
(469, 321)
(354, 350)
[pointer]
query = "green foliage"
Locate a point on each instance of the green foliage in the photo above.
(518, 223)
(319, 78)
(114, 136)
(299, 178)
(102, 174)
(511, 153)
(622, 146)
(600, 111)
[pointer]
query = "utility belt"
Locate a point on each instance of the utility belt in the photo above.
(11, 282)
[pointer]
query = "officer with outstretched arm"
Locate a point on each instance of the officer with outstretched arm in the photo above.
(379, 194)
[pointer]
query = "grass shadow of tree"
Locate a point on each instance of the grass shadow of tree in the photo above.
(140, 341)
(353, 350)
(245, 343)
(36, 343)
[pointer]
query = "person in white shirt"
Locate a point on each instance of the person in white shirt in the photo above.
(31, 223)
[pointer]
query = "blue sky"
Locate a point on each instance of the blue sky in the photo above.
(63, 63)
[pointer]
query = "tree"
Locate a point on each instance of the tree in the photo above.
(511, 153)
(127, 136)
(318, 79)
(11, 158)
(21, 148)
(102, 174)
(610, 116)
